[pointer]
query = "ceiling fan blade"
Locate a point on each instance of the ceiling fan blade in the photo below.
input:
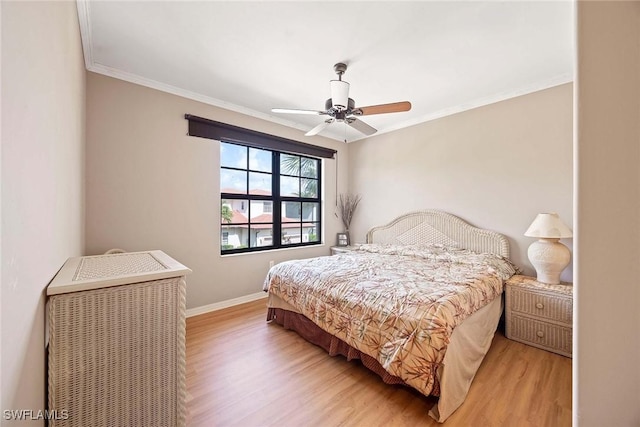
(394, 107)
(296, 111)
(316, 130)
(361, 126)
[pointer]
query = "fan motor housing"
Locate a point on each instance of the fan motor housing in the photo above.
(328, 106)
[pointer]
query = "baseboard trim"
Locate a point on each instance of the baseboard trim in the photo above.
(225, 304)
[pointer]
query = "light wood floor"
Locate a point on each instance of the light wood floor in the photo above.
(242, 371)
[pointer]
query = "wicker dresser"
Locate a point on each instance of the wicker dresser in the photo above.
(116, 327)
(540, 314)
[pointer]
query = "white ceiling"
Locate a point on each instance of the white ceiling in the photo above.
(249, 57)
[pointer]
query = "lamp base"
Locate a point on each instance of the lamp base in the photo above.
(549, 257)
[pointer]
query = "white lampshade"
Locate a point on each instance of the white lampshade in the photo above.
(547, 255)
(548, 226)
(339, 94)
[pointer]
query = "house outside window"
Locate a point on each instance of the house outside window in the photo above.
(268, 199)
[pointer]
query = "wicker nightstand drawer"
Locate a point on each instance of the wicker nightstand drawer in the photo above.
(341, 249)
(542, 305)
(547, 336)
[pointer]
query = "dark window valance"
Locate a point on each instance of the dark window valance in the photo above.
(211, 129)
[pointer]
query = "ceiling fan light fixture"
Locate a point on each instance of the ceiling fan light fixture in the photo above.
(342, 109)
(339, 94)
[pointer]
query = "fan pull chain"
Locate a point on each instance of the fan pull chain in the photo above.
(345, 132)
(336, 209)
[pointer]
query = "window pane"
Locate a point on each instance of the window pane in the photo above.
(309, 187)
(291, 233)
(291, 212)
(233, 156)
(309, 167)
(234, 237)
(289, 186)
(259, 160)
(260, 183)
(232, 181)
(261, 235)
(234, 211)
(226, 212)
(261, 211)
(311, 212)
(311, 234)
(289, 165)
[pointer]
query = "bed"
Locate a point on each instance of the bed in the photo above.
(418, 304)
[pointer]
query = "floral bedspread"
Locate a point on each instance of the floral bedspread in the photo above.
(398, 304)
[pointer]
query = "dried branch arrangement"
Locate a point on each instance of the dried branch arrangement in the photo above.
(348, 204)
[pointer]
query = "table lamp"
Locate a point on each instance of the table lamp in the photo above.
(548, 256)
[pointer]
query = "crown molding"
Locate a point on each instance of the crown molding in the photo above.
(84, 21)
(174, 90)
(480, 102)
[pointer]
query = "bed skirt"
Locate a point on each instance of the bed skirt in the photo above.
(333, 345)
(469, 344)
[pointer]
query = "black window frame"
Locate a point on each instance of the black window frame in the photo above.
(277, 201)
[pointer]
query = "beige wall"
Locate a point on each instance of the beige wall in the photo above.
(496, 167)
(607, 341)
(42, 181)
(150, 186)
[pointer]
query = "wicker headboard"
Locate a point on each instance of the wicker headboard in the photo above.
(432, 226)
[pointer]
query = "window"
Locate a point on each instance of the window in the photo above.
(268, 199)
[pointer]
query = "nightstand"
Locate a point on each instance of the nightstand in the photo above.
(341, 249)
(540, 314)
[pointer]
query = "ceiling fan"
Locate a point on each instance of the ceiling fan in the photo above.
(341, 108)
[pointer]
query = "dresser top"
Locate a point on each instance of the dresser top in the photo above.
(531, 283)
(102, 271)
